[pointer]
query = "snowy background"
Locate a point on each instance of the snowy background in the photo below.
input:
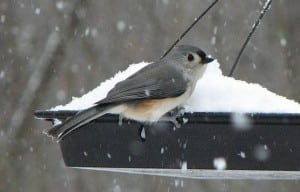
(53, 50)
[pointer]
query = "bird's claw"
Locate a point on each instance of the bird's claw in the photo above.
(175, 116)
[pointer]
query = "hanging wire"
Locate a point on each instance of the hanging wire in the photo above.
(262, 13)
(189, 28)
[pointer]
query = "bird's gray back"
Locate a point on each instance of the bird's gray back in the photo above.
(159, 80)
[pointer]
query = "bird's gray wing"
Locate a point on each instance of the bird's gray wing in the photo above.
(155, 81)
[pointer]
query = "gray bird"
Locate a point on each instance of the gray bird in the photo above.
(147, 95)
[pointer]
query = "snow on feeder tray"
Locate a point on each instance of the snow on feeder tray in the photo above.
(230, 125)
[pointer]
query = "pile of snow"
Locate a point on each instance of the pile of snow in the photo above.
(214, 93)
(101, 91)
(218, 93)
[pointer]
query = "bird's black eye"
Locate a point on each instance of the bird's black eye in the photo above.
(190, 57)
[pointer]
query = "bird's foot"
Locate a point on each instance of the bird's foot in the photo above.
(175, 116)
(177, 112)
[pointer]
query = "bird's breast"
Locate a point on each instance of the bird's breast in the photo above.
(151, 110)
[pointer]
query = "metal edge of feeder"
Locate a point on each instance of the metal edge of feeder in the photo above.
(204, 173)
(79, 148)
(221, 117)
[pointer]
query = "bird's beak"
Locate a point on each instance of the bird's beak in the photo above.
(207, 59)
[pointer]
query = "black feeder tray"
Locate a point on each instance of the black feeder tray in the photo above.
(249, 146)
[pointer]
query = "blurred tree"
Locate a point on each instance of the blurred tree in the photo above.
(52, 50)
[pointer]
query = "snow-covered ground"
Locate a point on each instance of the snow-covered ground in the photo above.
(214, 93)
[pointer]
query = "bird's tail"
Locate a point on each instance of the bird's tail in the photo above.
(75, 122)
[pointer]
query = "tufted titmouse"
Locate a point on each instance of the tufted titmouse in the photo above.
(147, 95)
